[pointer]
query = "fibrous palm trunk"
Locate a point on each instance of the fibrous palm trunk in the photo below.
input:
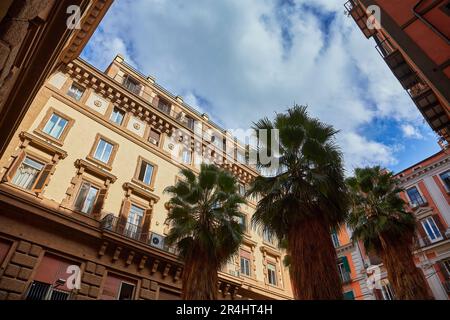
(313, 267)
(199, 276)
(406, 279)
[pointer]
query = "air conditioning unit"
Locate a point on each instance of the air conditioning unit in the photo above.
(157, 241)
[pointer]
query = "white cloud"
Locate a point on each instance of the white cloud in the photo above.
(232, 54)
(409, 131)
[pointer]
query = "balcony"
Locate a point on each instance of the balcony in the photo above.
(430, 107)
(423, 242)
(358, 13)
(397, 63)
(132, 231)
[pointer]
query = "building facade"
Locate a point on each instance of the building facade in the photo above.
(35, 37)
(82, 185)
(426, 188)
(413, 38)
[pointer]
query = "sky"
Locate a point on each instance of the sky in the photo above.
(241, 60)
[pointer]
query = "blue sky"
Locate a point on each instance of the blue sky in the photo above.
(241, 60)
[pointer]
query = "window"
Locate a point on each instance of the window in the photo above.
(241, 157)
(43, 291)
(126, 291)
(415, 197)
(267, 236)
(446, 179)
(387, 292)
(132, 84)
(103, 151)
(335, 239)
(431, 229)
(134, 221)
(272, 274)
(445, 266)
(189, 122)
(242, 221)
(154, 137)
(349, 295)
(241, 189)
(55, 126)
(75, 91)
(344, 269)
(145, 173)
(86, 198)
(27, 174)
(245, 266)
(117, 116)
(186, 156)
(164, 106)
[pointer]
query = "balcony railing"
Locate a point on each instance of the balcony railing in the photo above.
(422, 242)
(359, 14)
(135, 232)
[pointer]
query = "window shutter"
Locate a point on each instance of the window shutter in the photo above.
(346, 265)
(99, 203)
(43, 178)
(146, 225)
(437, 221)
(15, 165)
(444, 271)
(81, 196)
(126, 205)
(155, 101)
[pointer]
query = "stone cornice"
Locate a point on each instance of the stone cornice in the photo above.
(89, 22)
(422, 171)
(89, 76)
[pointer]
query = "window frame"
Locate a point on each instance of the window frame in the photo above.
(48, 166)
(135, 82)
(136, 179)
(92, 185)
(447, 188)
(91, 156)
(411, 203)
(121, 111)
(437, 238)
(35, 158)
(275, 273)
(242, 258)
(79, 86)
(149, 136)
(130, 284)
(40, 129)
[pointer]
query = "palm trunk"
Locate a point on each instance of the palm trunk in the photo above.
(406, 279)
(199, 276)
(313, 268)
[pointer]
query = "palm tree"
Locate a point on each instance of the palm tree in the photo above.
(203, 213)
(304, 200)
(379, 221)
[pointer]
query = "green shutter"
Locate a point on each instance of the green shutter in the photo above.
(349, 295)
(346, 265)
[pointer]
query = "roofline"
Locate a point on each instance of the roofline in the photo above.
(416, 164)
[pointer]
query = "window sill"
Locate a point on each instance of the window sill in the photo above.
(106, 166)
(143, 185)
(45, 136)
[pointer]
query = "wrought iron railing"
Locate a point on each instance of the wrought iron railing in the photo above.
(422, 242)
(114, 224)
(385, 48)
